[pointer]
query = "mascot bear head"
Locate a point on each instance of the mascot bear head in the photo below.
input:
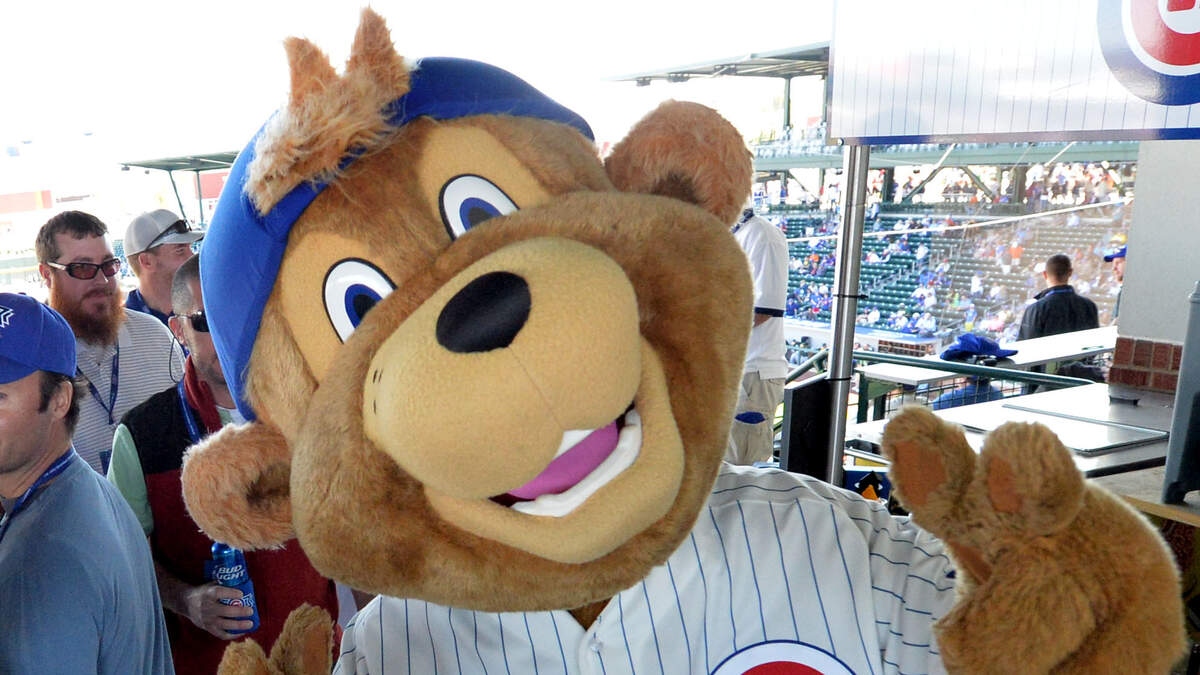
(483, 367)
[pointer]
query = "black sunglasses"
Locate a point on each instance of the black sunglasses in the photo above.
(199, 321)
(178, 227)
(83, 270)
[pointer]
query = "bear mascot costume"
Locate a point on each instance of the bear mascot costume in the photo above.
(490, 378)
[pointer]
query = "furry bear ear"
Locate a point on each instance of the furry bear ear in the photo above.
(1030, 478)
(327, 116)
(235, 486)
(689, 152)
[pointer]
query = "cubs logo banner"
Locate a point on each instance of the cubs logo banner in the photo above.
(1025, 70)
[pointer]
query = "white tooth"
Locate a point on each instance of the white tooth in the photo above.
(572, 438)
(629, 445)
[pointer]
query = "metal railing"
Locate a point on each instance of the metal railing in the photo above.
(819, 361)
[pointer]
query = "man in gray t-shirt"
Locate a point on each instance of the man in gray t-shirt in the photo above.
(77, 585)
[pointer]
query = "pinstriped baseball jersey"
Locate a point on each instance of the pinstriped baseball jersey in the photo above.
(773, 557)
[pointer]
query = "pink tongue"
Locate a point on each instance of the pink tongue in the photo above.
(570, 467)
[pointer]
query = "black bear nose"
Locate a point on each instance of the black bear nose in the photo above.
(486, 314)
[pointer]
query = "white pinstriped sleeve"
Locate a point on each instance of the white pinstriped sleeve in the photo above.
(911, 579)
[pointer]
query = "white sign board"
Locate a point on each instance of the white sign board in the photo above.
(1023, 70)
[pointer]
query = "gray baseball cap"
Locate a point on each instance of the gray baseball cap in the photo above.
(157, 227)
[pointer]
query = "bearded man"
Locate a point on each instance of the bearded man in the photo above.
(122, 357)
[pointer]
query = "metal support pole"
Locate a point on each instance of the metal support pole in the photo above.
(979, 183)
(845, 301)
(178, 200)
(1016, 183)
(199, 202)
(787, 103)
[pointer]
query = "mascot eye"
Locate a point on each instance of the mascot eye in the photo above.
(467, 201)
(352, 288)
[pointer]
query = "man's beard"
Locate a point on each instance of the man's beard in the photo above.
(211, 373)
(90, 328)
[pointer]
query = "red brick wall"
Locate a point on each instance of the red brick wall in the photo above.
(1146, 364)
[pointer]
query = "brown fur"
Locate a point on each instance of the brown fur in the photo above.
(304, 647)
(305, 644)
(678, 150)
(347, 487)
(325, 115)
(454, 567)
(236, 480)
(244, 658)
(1078, 582)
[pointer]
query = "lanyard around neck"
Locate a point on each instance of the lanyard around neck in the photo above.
(48, 475)
(188, 418)
(112, 387)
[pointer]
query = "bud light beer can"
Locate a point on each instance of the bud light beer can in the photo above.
(228, 568)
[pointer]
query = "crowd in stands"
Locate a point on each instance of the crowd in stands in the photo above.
(923, 275)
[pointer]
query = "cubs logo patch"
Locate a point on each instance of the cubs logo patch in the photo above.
(1152, 47)
(782, 657)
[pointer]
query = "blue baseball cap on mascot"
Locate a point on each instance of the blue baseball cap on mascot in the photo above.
(244, 248)
(33, 337)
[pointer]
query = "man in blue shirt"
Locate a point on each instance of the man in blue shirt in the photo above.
(77, 586)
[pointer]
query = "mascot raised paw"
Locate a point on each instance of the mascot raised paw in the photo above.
(1059, 575)
(491, 378)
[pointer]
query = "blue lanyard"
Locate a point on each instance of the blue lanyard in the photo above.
(188, 418)
(49, 474)
(112, 387)
(1060, 290)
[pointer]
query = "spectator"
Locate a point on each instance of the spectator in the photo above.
(1117, 258)
(927, 324)
(156, 244)
(976, 285)
(752, 436)
(981, 351)
(148, 449)
(76, 579)
(1058, 309)
(123, 356)
(969, 317)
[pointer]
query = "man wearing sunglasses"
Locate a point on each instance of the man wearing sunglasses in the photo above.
(123, 357)
(148, 450)
(156, 244)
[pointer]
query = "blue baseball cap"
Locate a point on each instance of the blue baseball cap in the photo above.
(969, 344)
(33, 337)
(1119, 253)
(243, 248)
